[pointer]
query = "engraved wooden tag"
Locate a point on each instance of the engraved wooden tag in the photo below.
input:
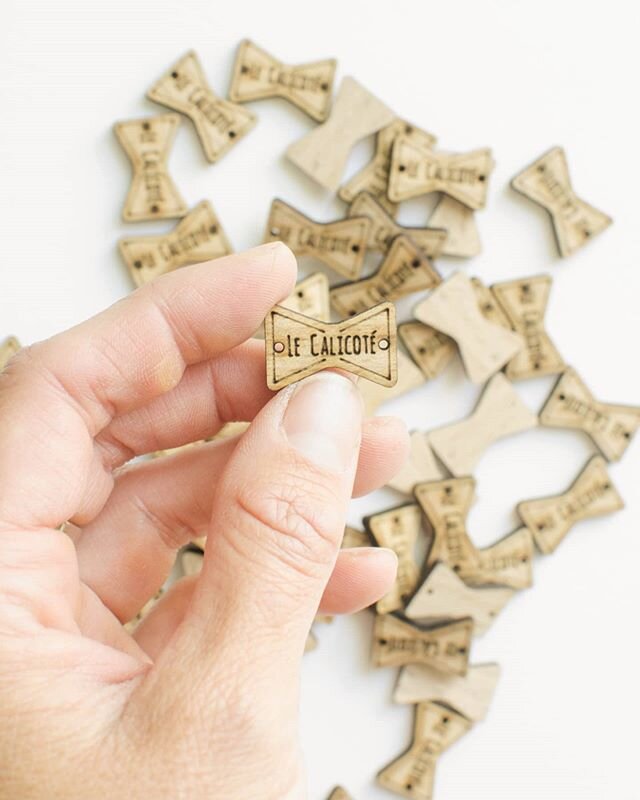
(432, 350)
(489, 306)
(548, 184)
(297, 346)
(355, 538)
(219, 123)
(435, 729)
(339, 794)
(8, 349)
(341, 245)
(417, 170)
(421, 465)
(311, 297)
(197, 237)
(499, 412)
(444, 595)
(470, 695)
(323, 152)
(374, 395)
(258, 75)
(147, 143)
(405, 270)
(571, 405)
(591, 495)
(484, 346)
(524, 301)
(459, 221)
(444, 647)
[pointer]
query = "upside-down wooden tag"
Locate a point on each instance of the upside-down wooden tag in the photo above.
(571, 405)
(398, 529)
(409, 378)
(353, 537)
(311, 297)
(459, 221)
(323, 152)
(470, 695)
(453, 309)
(147, 142)
(341, 245)
(219, 123)
(339, 794)
(8, 349)
(421, 465)
(405, 270)
(444, 595)
(197, 237)
(258, 75)
(384, 228)
(416, 170)
(375, 176)
(524, 301)
(591, 495)
(435, 729)
(499, 412)
(297, 346)
(548, 184)
(432, 350)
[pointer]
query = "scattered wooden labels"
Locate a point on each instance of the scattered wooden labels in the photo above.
(548, 184)
(197, 237)
(417, 170)
(8, 348)
(409, 378)
(459, 221)
(219, 123)
(499, 412)
(257, 75)
(436, 728)
(323, 152)
(470, 695)
(341, 245)
(421, 465)
(147, 143)
(311, 297)
(591, 495)
(298, 346)
(571, 405)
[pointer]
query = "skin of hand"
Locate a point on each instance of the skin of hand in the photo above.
(202, 701)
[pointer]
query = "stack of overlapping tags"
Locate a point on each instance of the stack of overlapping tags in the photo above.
(426, 623)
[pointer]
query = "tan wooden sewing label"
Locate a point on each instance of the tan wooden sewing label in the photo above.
(311, 297)
(147, 143)
(409, 378)
(258, 75)
(355, 538)
(197, 237)
(431, 349)
(571, 405)
(339, 794)
(548, 184)
(8, 348)
(489, 307)
(421, 465)
(297, 346)
(459, 221)
(220, 124)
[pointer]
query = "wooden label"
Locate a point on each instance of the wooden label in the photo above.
(198, 237)
(353, 537)
(147, 143)
(571, 405)
(459, 221)
(507, 562)
(489, 307)
(311, 297)
(591, 495)
(421, 466)
(297, 346)
(219, 123)
(341, 245)
(323, 152)
(8, 349)
(405, 270)
(416, 170)
(444, 647)
(432, 350)
(339, 794)
(258, 75)
(547, 183)
(409, 378)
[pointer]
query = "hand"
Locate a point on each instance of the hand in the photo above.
(202, 701)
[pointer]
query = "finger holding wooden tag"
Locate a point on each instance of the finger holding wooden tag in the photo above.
(8, 349)
(374, 394)
(421, 466)
(459, 221)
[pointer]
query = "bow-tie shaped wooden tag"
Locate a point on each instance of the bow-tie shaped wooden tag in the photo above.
(591, 495)
(147, 142)
(197, 237)
(339, 794)
(323, 152)
(470, 694)
(421, 465)
(571, 405)
(355, 538)
(500, 412)
(459, 221)
(417, 170)
(258, 75)
(484, 346)
(398, 529)
(432, 350)
(548, 184)
(405, 270)
(341, 245)
(219, 123)
(374, 178)
(444, 647)
(524, 301)
(8, 349)
(374, 395)
(297, 346)
(311, 297)
(384, 229)
(436, 728)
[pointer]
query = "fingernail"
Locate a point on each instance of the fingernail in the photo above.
(323, 421)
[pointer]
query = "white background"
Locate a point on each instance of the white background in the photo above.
(516, 76)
